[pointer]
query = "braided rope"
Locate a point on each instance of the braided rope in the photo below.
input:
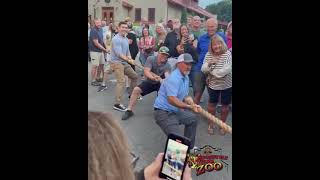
(210, 117)
(131, 61)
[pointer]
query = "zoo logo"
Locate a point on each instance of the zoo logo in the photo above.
(203, 160)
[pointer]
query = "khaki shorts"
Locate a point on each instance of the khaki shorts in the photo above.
(97, 58)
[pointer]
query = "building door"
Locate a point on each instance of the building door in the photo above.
(107, 14)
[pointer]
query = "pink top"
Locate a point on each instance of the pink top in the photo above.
(149, 41)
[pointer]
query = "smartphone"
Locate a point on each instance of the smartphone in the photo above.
(175, 158)
(191, 37)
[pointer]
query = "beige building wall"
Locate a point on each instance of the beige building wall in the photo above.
(119, 13)
(174, 12)
(159, 5)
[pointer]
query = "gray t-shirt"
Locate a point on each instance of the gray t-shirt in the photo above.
(120, 45)
(156, 68)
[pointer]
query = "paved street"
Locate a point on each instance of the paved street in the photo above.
(147, 139)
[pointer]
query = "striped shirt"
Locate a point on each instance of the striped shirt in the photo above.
(219, 74)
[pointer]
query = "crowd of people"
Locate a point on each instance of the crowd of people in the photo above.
(174, 57)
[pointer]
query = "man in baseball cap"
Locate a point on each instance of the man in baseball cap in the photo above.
(156, 69)
(164, 50)
(170, 107)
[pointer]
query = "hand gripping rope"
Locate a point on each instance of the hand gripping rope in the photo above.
(210, 117)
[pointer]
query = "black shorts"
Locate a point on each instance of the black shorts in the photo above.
(225, 96)
(148, 87)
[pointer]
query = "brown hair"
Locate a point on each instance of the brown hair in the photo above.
(180, 34)
(122, 22)
(217, 38)
(108, 150)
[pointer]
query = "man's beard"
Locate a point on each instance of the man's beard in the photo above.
(186, 73)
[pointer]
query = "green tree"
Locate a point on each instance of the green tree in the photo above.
(184, 16)
(222, 9)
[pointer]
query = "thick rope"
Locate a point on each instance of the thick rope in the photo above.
(131, 61)
(210, 117)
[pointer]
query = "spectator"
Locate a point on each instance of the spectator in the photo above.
(197, 77)
(218, 65)
(106, 67)
(105, 29)
(107, 144)
(187, 43)
(120, 55)
(169, 26)
(143, 24)
(196, 27)
(171, 41)
(109, 155)
(170, 108)
(97, 50)
(146, 46)
(133, 45)
(156, 70)
(160, 36)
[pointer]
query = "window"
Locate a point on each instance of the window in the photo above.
(151, 14)
(138, 14)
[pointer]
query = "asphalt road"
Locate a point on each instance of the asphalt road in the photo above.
(146, 138)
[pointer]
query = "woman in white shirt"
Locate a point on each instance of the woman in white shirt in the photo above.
(218, 68)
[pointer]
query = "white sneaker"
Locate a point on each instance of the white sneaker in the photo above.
(120, 107)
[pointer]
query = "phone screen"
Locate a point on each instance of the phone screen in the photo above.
(174, 159)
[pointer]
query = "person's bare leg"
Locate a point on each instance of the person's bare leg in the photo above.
(211, 110)
(105, 79)
(100, 70)
(224, 115)
(93, 73)
(133, 98)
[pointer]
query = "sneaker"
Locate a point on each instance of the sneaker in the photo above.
(102, 88)
(127, 115)
(95, 83)
(119, 107)
(138, 98)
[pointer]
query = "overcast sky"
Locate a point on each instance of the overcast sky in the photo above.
(204, 3)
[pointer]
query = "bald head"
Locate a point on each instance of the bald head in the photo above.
(144, 21)
(176, 23)
(97, 23)
(196, 22)
(212, 25)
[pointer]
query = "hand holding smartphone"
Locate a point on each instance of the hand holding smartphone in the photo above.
(175, 158)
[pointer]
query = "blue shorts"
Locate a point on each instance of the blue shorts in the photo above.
(225, 96)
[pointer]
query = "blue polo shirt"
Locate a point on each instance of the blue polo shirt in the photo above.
(202, 49)
(175, 85)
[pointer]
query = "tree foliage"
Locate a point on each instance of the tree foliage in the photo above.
(184, 16)
(222, 9)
